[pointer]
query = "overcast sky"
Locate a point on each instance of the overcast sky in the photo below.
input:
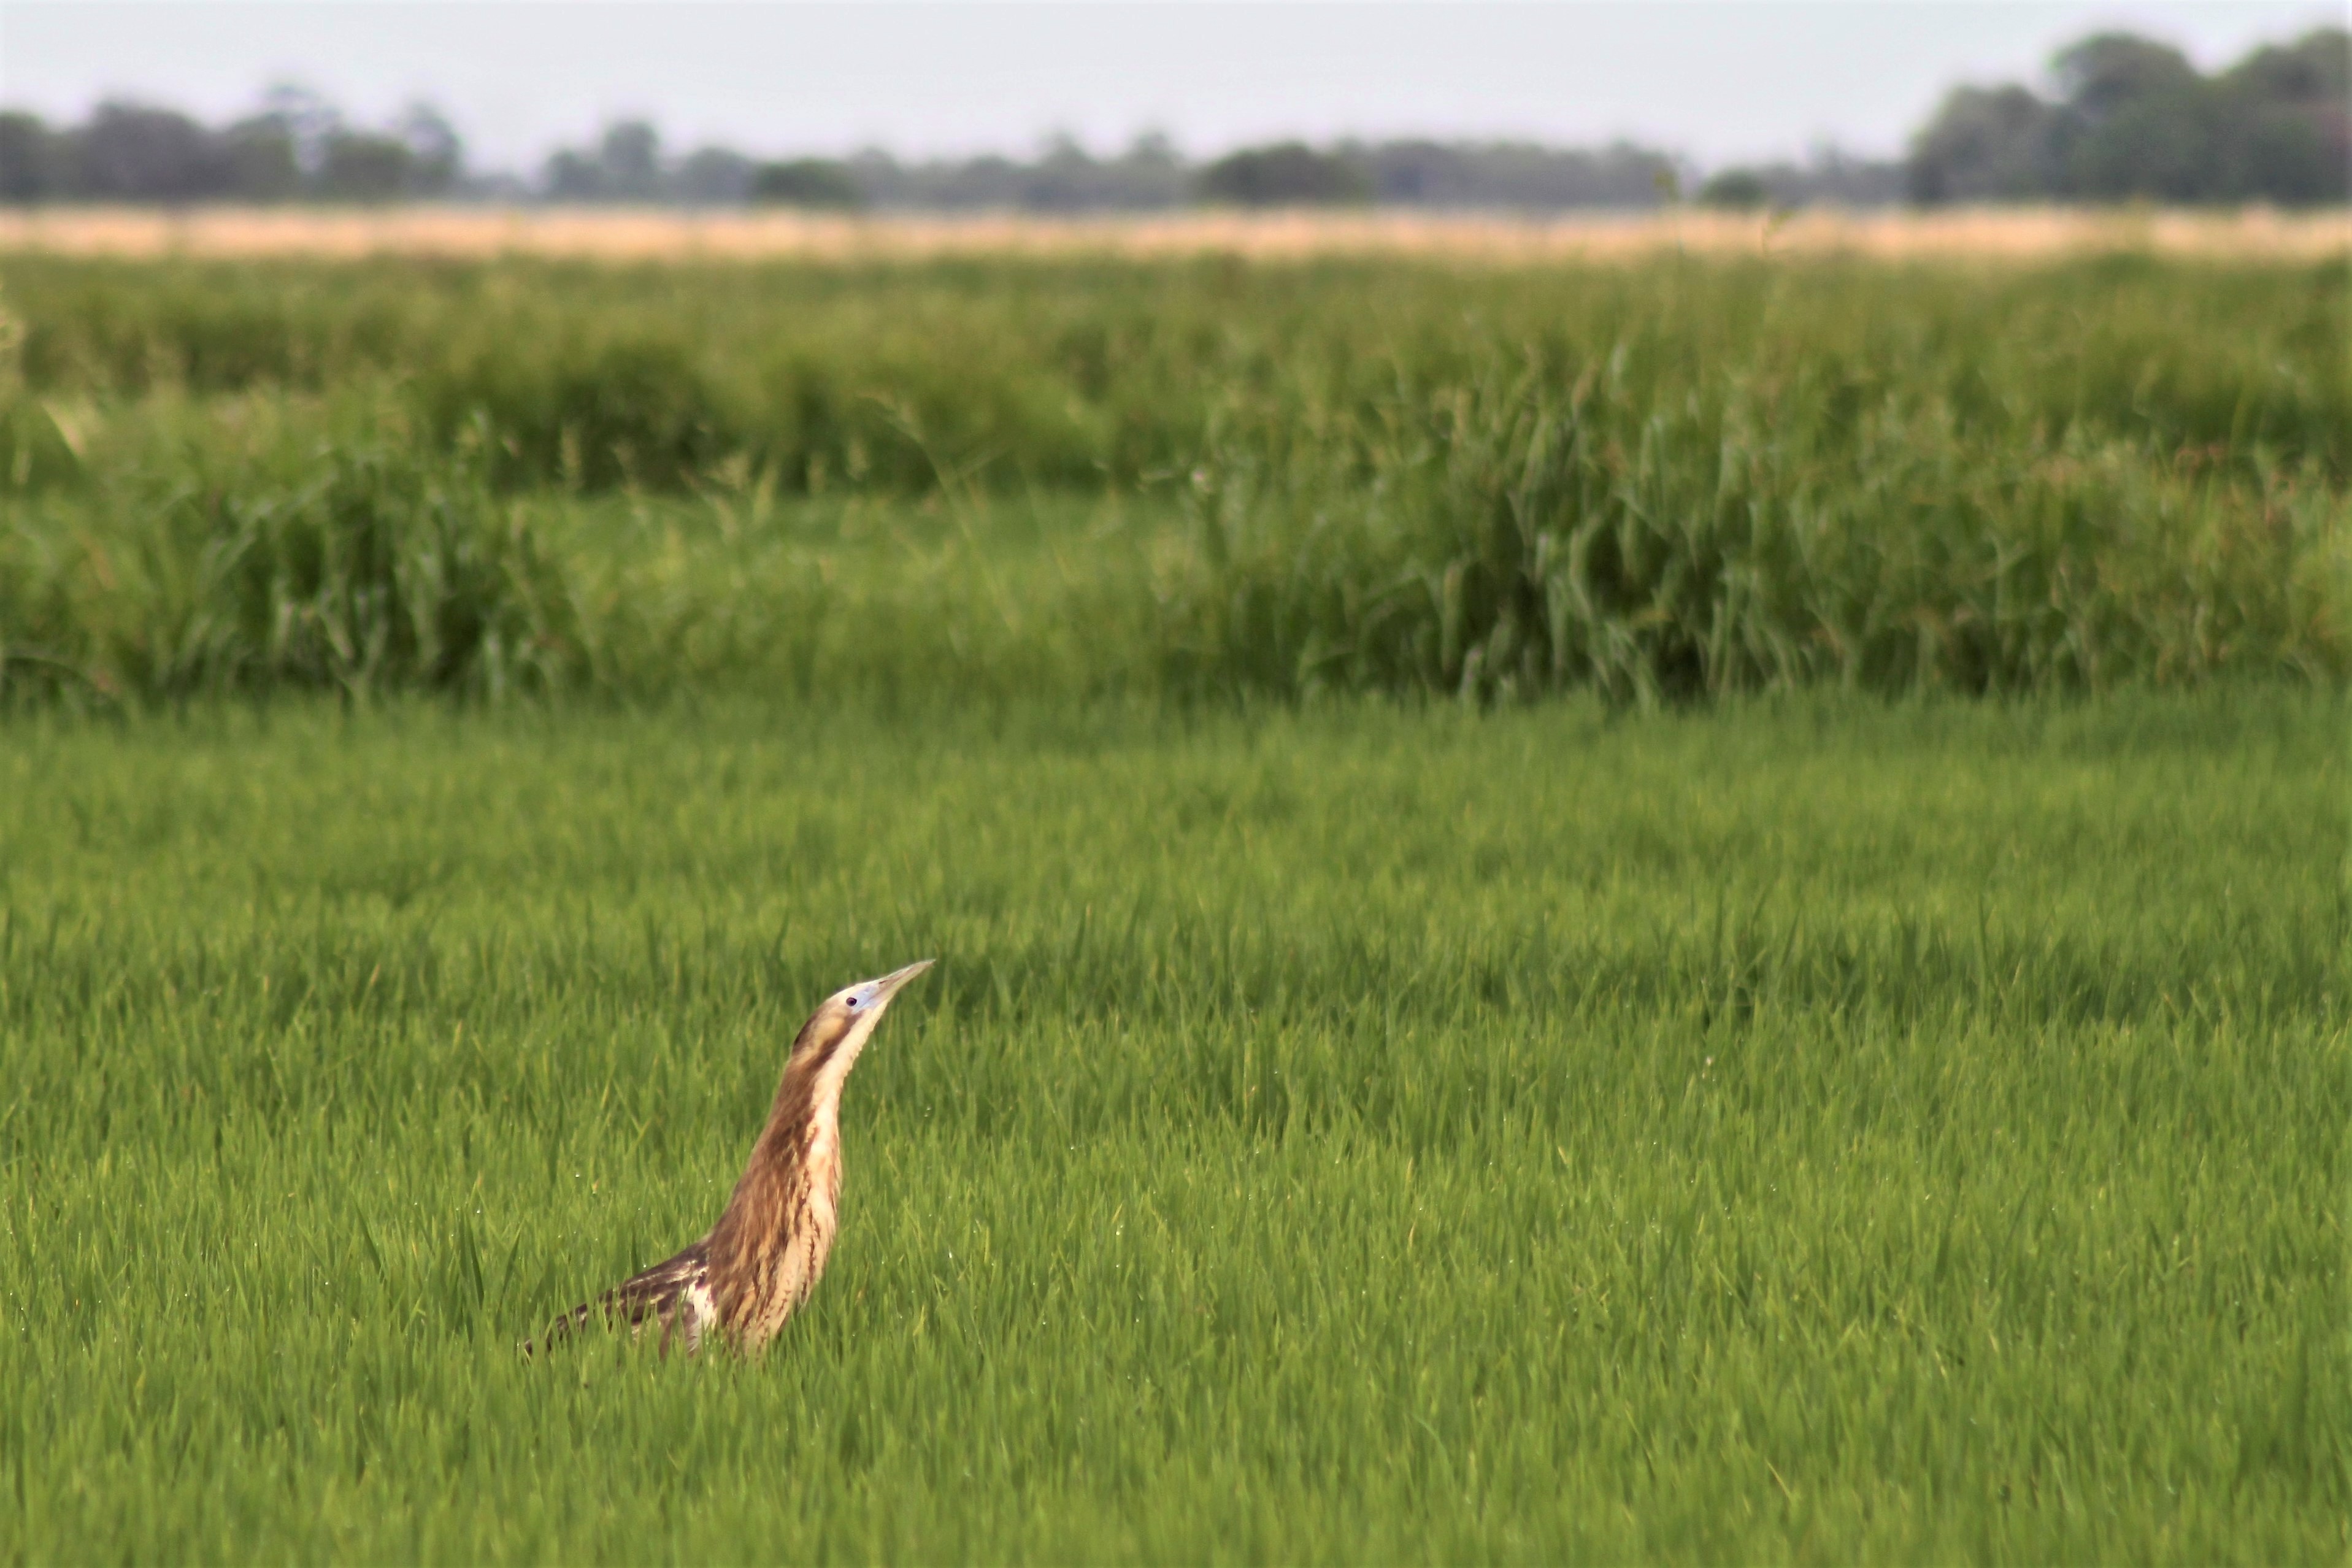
(1721, 81)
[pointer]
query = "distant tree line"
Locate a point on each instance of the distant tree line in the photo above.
(2134, 119)
(2130, 119)
(296, 147)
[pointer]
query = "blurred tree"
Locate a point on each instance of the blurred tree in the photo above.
(307, 120)
(1425, 173)
(1152, 149)
(713, 176)
(128, 152)
(625, 166)
(262, 162)
(805, 182)
(2109, 72)
(1827, 176)
(33, 160)
(2315, 68)
(1063, 179)
(2135, 119)
(436, 154)
(2290, 120)
(1740, 190)
(2126, 118)
(1287, 174)
(1986, 144)
(361, 167)
(572, 176)
(629, 159)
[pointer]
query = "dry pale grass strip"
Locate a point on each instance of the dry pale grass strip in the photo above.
(2024, 234)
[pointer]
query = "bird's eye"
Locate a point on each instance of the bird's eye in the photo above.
(850, 1003)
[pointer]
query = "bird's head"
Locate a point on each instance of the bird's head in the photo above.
(829, 1042)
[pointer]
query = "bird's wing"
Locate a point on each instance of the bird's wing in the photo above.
(675, 1293)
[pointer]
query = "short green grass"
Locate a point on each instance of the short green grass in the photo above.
(1799, 1130)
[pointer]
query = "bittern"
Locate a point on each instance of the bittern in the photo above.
(760, 1262)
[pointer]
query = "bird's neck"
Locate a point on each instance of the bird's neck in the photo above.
(807, 1113)
(795, 1166)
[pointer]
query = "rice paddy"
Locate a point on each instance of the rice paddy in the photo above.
(1804, 1131)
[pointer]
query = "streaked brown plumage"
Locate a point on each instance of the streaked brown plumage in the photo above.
(763, 1257)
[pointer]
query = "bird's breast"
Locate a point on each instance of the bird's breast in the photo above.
(774, 1275)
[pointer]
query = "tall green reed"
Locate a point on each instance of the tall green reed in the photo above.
(1509, 536)
(362, 565)
(1072, 373)
(1660, 483)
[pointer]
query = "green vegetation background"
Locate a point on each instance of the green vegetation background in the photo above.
(1753, 1102)
(991, 480)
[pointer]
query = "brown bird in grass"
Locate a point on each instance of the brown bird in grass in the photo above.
(763, 1257)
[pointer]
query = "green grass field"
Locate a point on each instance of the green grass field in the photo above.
(1683, 911)
(1807, 1129)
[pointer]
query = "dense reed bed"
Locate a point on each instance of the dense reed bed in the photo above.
(1684, 479)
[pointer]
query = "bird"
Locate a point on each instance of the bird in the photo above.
(756, 1267)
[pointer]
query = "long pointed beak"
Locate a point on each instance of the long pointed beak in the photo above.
(888, 986)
